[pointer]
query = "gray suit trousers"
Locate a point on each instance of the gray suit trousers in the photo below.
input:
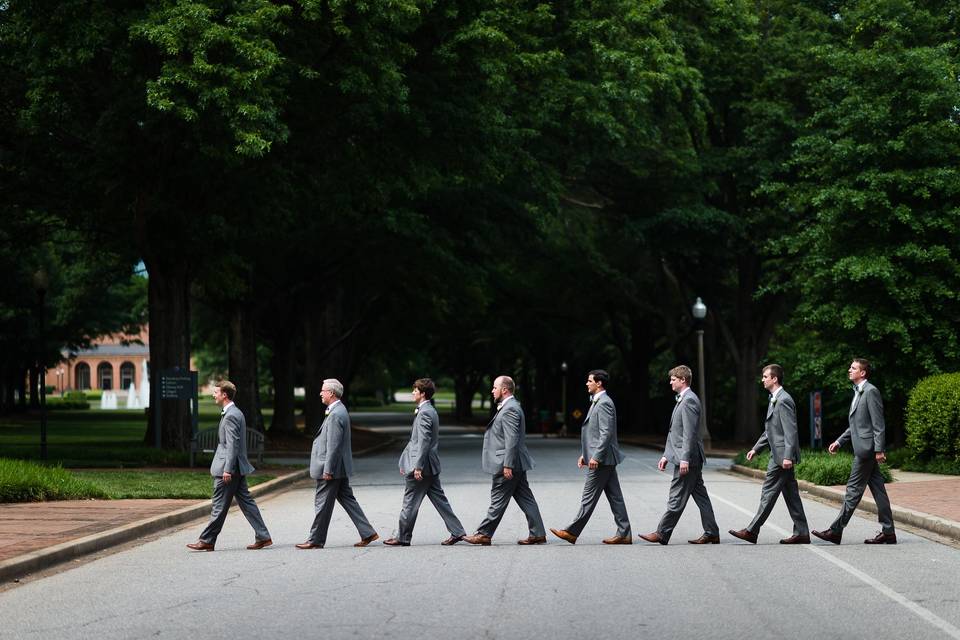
(865, 472)
(223, 495)
(780, 480)
(328, 492)
(682, 488)
(500, 493)
(413, 496)
(602, 480)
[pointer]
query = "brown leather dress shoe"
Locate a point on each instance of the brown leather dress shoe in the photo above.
(796, 539)
(705, 539)
(533, 540)
(480, 539)
(563, 534)
(308, 545)
(653, 537)
(200, 545)
(451, 540)
(743, 534)
(365, 541)
(393, 542)
(618, 540)
(260, 544)
(829, 535)
(882, 538)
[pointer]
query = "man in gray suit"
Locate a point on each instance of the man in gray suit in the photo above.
(420, 466)
(230, 469)
(600, 453)
(506, 458)
(685, 451)
(331, 464)
(867, 433)
(780, 434)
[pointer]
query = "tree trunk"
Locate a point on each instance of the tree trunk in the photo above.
(34, 387)
(312, 373)
(242, 364)
(169, 311)
(463, 397)
(282, 369)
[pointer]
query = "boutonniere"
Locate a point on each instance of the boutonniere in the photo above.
(773, 401)
(678, 397)
(416, 411)
(327, 412)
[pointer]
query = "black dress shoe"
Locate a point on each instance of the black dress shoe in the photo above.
(882, 538)
(393, 542)
(829, 535)
(796, 539)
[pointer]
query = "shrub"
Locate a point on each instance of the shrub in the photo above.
(933, 418)
(816, 466)
(70, 400)
(22, 481)
(906, 460)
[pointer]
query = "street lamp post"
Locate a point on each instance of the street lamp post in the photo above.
(60, 380)
(699, 312)
(41, 283)
(563, 400)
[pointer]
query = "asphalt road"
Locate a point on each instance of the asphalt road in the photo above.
(733, 590)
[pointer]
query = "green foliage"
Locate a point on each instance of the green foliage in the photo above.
(22, 481)
(70, 400)
(819, 467)
(117, 485)
(933, 418)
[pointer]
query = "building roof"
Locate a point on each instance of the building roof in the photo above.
(105, 350)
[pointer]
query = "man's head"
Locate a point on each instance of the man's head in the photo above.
(331, 391)
(423, 389)
(503, 388)
(772, 377)
(859, 370)
(597, 381)
(680, 378)
(224, 392)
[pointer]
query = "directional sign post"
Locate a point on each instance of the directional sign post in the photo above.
(177, 384)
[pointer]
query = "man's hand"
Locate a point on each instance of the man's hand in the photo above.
(684, 467)
(662, 465)
(328, 476)
(418, 474)
(787, 463)
(594, 464)
(402, 472)
(227, 476)
(508, 473)
(580, 463)
(881, 456)
(834, 447)
(750, 454)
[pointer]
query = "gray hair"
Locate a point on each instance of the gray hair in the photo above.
(334, 386)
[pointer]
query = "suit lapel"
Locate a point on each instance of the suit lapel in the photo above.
(770, 407)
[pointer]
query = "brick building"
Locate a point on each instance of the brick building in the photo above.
(111, 363)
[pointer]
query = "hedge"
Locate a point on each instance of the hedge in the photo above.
(816, 466)
(933, 418)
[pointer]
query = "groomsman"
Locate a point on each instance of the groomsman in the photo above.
(506, 458)
(230, 468)
(600, 453)
(420, 466)
(331, 464)
(867, 433)
(780, 434)
(685, 451)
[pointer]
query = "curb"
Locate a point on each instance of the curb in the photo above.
(14, 568)
(902, 515)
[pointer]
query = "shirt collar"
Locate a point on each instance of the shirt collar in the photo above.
(597, 395)
(223, 410)
(776, 393)
(333, 404)
(423, 403)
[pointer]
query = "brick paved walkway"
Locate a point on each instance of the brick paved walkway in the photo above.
(26, 527)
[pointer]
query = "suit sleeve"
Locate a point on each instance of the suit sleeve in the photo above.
(425, 431)
(844, 437)
(233, 431)
(788, 419)
(690, 418)
(875, 404)
(511, 438)
(334, 444)
(607, 421)
(761, 442)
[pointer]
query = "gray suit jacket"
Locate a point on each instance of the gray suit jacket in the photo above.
(683, 439)
(867, 430)
(332, 452)
(598, 436)
(231, 453)
(505, 441)
(780, 430)
(423, 450)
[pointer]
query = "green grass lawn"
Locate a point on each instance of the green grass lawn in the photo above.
(156, 484)
(818, 467)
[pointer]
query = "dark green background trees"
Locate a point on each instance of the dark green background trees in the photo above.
(376, 191)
